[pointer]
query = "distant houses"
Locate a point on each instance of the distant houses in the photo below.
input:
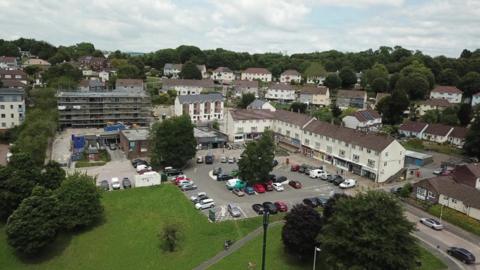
(365, 120)
(223, 75)
(280, 92)
(290, 75)
(241, 87)
(450, 93)
(173, 70)
(351, 98)
(8, 62)
(438, 133)
(433, 104)
(261, 74)
(315, 95)
(187, 87)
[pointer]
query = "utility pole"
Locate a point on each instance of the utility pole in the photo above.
(265, 227)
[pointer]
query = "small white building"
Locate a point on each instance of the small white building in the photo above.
(261, 74)
(187, 87)
(259, 104)
(241, 87)
(365, 120)
(433, 104)
(104, 75)
(290, 75)
(223, 74)
(280, 92)
(172, 70)
(450, 93)
(437, 133)
(413, 129)
(8, 62)
(476, 99)
(201, 107)
(318, 80)
(12, 107)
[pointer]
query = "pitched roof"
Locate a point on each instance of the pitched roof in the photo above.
(222, 69)
(446, 89)
(373, 141)
(36, 61)
(244, 114)
(351, 94)
(290, 72)
(294, 118)
(256, 104)
(211, 97)
(445, 185)
(129, 82)
(173, 66)
(184, 82)
(9, 83)
(313, 90)
(254, 70)
(281, 86)
(245, 84)
(438, 129)
(8, 59)
(459, 132)
(412, 126)
(91, 83)
(437, 102)
(366, 115)
(13, 72)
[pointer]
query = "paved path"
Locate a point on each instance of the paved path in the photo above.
(236, 245)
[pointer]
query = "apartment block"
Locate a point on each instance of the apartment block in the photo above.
(12, 107)
(200, 108)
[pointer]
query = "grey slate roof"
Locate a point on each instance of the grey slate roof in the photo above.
(256, 104)
(187, 99)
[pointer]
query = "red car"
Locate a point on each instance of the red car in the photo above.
(180, 178)
(259, 188)
(295, 184)
(268, 186)
(295, 168)
(281, 206)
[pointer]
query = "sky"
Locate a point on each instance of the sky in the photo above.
(437, 27)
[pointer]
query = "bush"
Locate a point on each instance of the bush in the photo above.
(170, 237)
(406, 190)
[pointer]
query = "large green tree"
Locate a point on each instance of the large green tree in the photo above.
(52, 175)
(363, 225)
(416, 67)
(245, 100)
(472, 141)
(129, 71)
(172, 142)
(348, 77)
(448, 76)
(257, 159)
(190, 71)
(470, 83)
(315, 69)
(379, 85)
(464, 114)
(378, 71)
(414, 84)
(392, 107)
(34, 223)
(79, 202)
(332, 81)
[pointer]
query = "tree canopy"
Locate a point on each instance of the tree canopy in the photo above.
(472, 141)
(392, 107)
(348, 77)
(246, 99)
(190, 71)
(257, 159)
(332, 81)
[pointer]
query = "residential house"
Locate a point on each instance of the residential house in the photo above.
(201, 107)
(290, 75)
(203, 71)
(187, 87)
(351, 98)
(93, 85)
(413, 129)
(172, 70)
(314, 95)
(93, 63)
(365, 120)
(457, 136)
(13, 84)
(317, 80)
(37, 62)
(467, 174)
(8, 62)
(437, 133)
(104, 75)
(241, 87)
(13, 74)
(12, 107)
(129, 84)
(280, 92)
(244, 125)
(223, 74)
(259, 104)
(445, 191)
(261, 74)
(134, 142)
(450, 93)
(476, 99)
(88, 73)
(433, 104)
(380, 96)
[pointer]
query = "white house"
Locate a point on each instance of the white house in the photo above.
(457, 136)
(172, 70)
(433, 104)
(315, 95)
(261, 74)
(366, 120)
(259, 104)
(187, 87)
(8, 62)
(201, 107)
(290, 75)
(450, 93)
(476, 99)
(104, 75)
(223, 74)
(243, 125)
(241, 87)
(203, 70)
(280, 92)
(413, 129)
(129, 84)
(315, 79)
(12, 107)
(437, 133)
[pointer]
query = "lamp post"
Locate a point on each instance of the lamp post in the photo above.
(315, 250)
(266, 214)
(441, 213)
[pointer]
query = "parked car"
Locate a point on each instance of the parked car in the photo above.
(272, 177)
(281, 206)
(238, 192)
(200, 196)
(138, 161)
(258, 208)
(112, 146)
(275, 162)
(337, 180)
(322, 200)
(105, 185)
(295, 184)
(205, 204)
(249, 190)
(217, 171)
(302, 168)
(240, 184)
(330, 178)
(325, 176)
(199, 159)
(294, 167)
(349, 183)
(461, 254)
(268, 186)
(115, 183)
(223, 159)
(312, 202)
(230, 184)
(432, 223)
(280, 179)
(396, 190)
(143, 168)
(315, 173)
(171, 172)
(270, 207)
(234, 210)
(189, 186)
(231, 160)
(209, 159)
(182, 180)
(126, 183)
(259, 188)
(278, 187)
(224, 177)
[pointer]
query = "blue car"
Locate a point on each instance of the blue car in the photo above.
(249, 190)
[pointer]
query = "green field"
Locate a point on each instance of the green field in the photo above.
(127, 239)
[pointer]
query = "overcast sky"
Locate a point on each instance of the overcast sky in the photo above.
(290, 26)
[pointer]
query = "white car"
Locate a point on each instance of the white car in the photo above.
(205, 204)
(223, 159)
(143, 167)
(349, 183)
(199, 195)
(316, 173)
(231, 160)
(325, 175)
(432, 223)
(278, 187)
(115, 183)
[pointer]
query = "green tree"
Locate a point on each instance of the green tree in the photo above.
(417, 67)
(323, 114)
(379, 85)
(302, 226)
(79, 202)
(257, 159)
(329, 208)
(190, 71)
(448, 76)
(414, 84)
(315, 69)
(449, 116)
(298, 107)
(470, 83)
(172, 142)
(472, 140)
(332, 81)
(191, 53)
(34, 224)
(336, 111)
(32, 70)
(348, 77)
(171, 236)
(392, 107)
(129, 72)
(246, 100)
(52, 175)
(464, 114)
(432, 116)
(378, 71)
(364, 224)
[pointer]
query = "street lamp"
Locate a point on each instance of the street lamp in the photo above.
(441, 213)
(266, 214)
(315, 250)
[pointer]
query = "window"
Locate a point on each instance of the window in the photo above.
(386, 154)
(12, 116)
(3, 115)
(307, 141)
(11, 107)
(297, 136)
(341, 153)
(288, 133)
(371, 163)
(369, 151)
(454, 200)
(4, 124)
(240, 130)
(385, 164)
(346, 144)
(356, 158)
(2, 107)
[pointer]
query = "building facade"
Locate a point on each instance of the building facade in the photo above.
(8, 62)
(134, 142)
(450, 93)
(437, 133)
(223, 74)
(200, 108)
(129, 84)
(433, 104)
(13, 74)
(12, 107)
(351, 98)
(312, 95)
(187, 87)
(280, 92)
(261, 74)
(290, 75)
(241, 87)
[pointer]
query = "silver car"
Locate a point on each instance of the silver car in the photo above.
(234, 210)
(432, 223)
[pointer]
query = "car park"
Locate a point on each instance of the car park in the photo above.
(461, 254)
(325, 176)
(432, 223)
(281, 206)
(182, 181)
(258, 208)
(278, 187)
(337, 180)
(249, 190)
(231, 160)
(270, 207)
(316, 173)
(349, 183)
(235, 183)
(126, 183)
(209, 159)
(295, 184)
(272, 177)
(104, 185)
(190, 186)
(312, 202)
(115, 183)
(172, 172)
(205, 204)
(200, 196)
(259, 188)
(223, 159)
(238, 192)
(234, 210)
(199, 159)
(224, 177)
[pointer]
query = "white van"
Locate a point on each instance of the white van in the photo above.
(115, 183)
(205, 204)
(316, 173)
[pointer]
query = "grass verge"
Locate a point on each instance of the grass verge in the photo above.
(457, 218)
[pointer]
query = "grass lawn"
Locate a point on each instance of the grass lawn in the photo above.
(127, 239)
(457, 218)
(277, 259)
